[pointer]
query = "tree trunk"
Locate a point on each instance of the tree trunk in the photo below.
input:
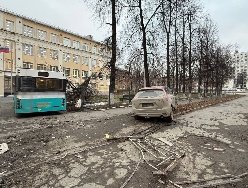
(176, 55)
(143, 29)
(168, 58)
(200, 68)
(113, 58)
(190, 54)
(183, 57)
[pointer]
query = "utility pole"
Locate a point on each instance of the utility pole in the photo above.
(11, 73)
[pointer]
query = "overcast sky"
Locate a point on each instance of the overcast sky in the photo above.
(231, 17)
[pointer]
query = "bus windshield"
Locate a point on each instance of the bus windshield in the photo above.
(32, 84)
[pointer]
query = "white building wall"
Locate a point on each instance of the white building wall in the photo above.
(1, 20)
(18, 25)
(241, 65)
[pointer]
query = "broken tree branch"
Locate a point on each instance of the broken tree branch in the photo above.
(130, 177)
(176, 185)
(219, 180)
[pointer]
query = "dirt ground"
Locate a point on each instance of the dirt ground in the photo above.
(70, 149)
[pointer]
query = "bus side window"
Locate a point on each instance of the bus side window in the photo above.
(54, 84)
(27, 83)
(40, 83)
(51, 84)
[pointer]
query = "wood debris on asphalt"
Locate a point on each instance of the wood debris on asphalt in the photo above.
(162, 162)
(188, 107)
(215, 181)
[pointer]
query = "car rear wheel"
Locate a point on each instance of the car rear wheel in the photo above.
(137, 117)
(170, 118)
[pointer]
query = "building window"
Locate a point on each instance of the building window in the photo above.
(28, 31)
(9, 25)
(101, 63)
(54, 68)
(66, 57)
(93, 62)
(42, 52)
(76, 44)
(67, 42)
(7, 83)
(41, 34)
(67, 71)
(8, 64)
(54, 54)
(94, 75)
(75, 58)
(54, 38)
(41, 67)
(75, 73)
(94, 50)
(86, 61)
(85, 74)
(85, 47)
(9, 44)
(100, 50)
(28, 65)
(27, 49)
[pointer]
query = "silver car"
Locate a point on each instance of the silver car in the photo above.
(155, 101)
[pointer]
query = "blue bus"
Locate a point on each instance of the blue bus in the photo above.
(39, 91)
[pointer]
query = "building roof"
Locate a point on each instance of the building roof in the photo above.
(89, 37)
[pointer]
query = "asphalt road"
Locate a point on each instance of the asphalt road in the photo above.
(70, 150)
(6, 107)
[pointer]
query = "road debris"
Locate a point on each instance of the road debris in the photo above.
(170, 167)
(215, 181)
(158, 152)
(130, 177)
(218, 149)
(165, 141)
(186, 108)
(161, 181)
(3, 148)
(174, 184)
(121, 138)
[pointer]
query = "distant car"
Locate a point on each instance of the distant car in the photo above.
(155, 101)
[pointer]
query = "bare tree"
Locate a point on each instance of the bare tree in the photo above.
(166, 13)
(140, 18)
(168, 40)
(105, 9)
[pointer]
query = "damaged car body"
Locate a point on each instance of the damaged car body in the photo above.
(155, 101)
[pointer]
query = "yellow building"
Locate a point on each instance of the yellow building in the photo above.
(37, 45)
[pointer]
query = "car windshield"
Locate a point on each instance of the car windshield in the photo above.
(150, 93)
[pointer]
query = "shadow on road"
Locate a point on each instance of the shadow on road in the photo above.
(38, 114)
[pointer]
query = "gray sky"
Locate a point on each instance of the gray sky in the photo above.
(231, 17)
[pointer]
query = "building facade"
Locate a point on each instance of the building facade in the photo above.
(40, 46)
(123, 82)
(241, 70)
